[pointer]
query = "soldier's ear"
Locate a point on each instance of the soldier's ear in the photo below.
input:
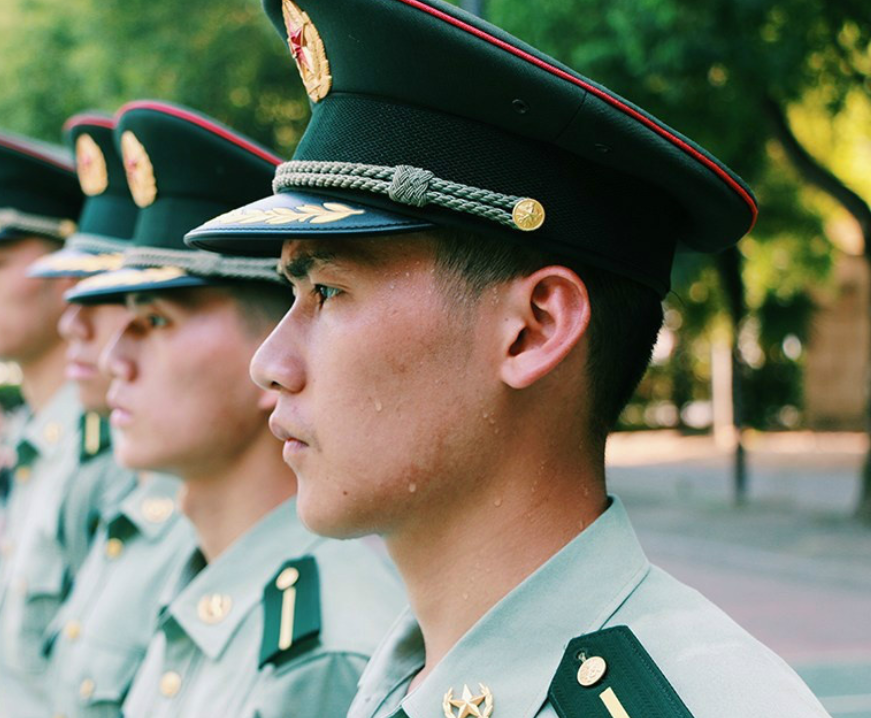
(545, 316)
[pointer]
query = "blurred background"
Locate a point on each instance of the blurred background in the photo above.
(749, 434)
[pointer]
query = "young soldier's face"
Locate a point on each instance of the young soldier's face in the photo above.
(385, 394)
(87, 331)
(181, 397)
(29, 307)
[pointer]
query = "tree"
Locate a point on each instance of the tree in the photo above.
(726, 72)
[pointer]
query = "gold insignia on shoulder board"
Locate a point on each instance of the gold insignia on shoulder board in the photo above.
(307, 50)
(591, 671)
(91, 166)
(139, 170)
(468, 704)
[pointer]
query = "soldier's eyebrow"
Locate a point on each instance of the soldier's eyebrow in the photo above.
(337, 257)
(302, 263)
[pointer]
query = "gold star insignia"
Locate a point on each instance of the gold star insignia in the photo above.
(469, 706)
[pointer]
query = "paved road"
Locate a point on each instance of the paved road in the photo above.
(791, 566)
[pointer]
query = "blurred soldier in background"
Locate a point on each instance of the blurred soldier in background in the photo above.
(98, 637)
(40, 200)
(264, 618)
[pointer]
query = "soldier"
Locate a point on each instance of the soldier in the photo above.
(100, 633)
(479, 239)
(62, 474)
(264, 617)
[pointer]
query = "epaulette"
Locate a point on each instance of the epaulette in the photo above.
(291, 611)
(608, 674)
(95, 434)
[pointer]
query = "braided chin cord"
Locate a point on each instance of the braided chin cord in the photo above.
(36, 224)
(403, 184)
(93, 244)
(204, 264)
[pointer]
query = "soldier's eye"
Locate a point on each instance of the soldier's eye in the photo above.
(155, 321)
(324, 293)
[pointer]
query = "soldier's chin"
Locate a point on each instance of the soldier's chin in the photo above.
(328, 516)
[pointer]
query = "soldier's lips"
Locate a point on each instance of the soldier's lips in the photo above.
(80, 371)
(291, 448)
(120, 418)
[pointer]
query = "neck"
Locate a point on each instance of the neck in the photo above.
(457, 565)
(43, 376)
(225, 502)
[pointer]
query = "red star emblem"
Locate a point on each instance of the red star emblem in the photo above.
(298, 48)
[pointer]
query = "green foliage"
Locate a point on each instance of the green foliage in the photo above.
(60, 57)
(704, 67)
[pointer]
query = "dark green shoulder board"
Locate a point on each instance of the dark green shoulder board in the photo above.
(291, 611)
(95, 436)
(608, 674)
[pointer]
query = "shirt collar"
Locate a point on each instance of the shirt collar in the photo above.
(52, 426)
(240, 573)
(516, 647)
(152, 508)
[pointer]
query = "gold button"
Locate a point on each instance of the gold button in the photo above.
(528, 214)
(213, 607)
(22, 474)
(52, 432)
(157, 510)
(72, 630)
(591, 671)
(114, 547)
(87, 688)
(170, 683)
(287, 578)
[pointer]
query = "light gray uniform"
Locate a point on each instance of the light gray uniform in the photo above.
(48, 527)
(600, 579)
(99, 637)
(204, 659)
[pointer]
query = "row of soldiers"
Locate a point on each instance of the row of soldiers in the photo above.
(444, 304)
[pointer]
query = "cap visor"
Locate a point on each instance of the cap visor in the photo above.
(109, 287)
(71, 262)
(260, 228)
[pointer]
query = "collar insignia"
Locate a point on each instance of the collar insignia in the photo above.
(307, 50)
(479, 706)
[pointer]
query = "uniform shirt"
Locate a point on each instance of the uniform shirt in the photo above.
(12, 425)
(38, 566)
(204, 658)
(600, 579)
(99, 637)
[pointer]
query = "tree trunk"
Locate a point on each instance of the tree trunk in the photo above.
(816, 174)
(729, 268)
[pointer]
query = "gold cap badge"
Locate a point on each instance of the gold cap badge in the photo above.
(91, 166)
(468, 704)
(307, 50)
(140, 172)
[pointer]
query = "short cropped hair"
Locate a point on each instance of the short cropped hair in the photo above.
(625, 319)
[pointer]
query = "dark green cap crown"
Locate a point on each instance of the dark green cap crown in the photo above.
(424, 115)
(182, 168)
(109, 210)
(39, 191)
